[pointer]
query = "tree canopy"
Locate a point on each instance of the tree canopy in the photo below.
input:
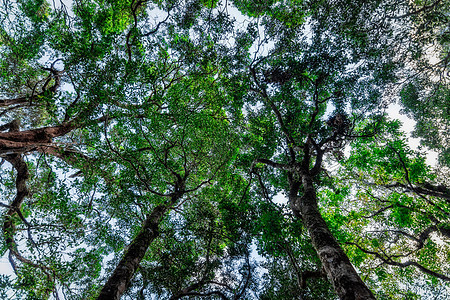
(194, 149)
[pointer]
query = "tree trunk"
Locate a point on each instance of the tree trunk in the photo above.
(341, 273)
(16, 142)
(22, 191)
(121, 277)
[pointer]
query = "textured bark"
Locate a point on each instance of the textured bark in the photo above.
(121, 277)
(346, 281)
(16, 142)
(23, 175)
(22, 141)
(9, 102)
(39, 135)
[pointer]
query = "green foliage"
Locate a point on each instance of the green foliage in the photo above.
(180, 98)
(428, 108)
(386, 213)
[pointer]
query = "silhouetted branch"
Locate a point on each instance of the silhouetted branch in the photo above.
(390, 261)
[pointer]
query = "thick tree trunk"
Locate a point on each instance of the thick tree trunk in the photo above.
(121, 277)
(16, 142)
(346, 281)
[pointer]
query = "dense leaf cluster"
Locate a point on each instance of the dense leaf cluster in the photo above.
(197, 149)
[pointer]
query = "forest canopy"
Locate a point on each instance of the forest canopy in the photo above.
(236, 149)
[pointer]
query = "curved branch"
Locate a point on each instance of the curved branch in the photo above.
(378, 212)
(277, 113)
(405, 168)
(28, 99)
(9, 226)
(218, 293)
(21, 192)
(439, 191)
(247, 279)
(153, 31)
(408, 263)
(286, 246)
(425, 234)
(425, 213)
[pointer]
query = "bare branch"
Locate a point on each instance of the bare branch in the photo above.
(390, 261)
(405, 168)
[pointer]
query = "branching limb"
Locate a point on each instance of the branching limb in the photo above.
(143, 180)
(389, 261)
(405, 168)
(423, 212)
(425, 234)
(428, 189)
(9, 226)
(262, 91)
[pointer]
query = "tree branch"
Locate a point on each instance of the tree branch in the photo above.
(277, 113)
(390, 261)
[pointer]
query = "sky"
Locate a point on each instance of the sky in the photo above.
(393, 111)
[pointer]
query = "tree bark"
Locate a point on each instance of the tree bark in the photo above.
(122, 275)
(21, 192)
(16, 142)
(341, 273)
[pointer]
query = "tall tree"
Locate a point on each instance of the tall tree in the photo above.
(321, 95)
(149, 101)
(403, 224)
(147, 140)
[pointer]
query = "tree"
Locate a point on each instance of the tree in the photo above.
(293, 89)
(425, 91)
(406, 216)
(169, 137)
(170, 97)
